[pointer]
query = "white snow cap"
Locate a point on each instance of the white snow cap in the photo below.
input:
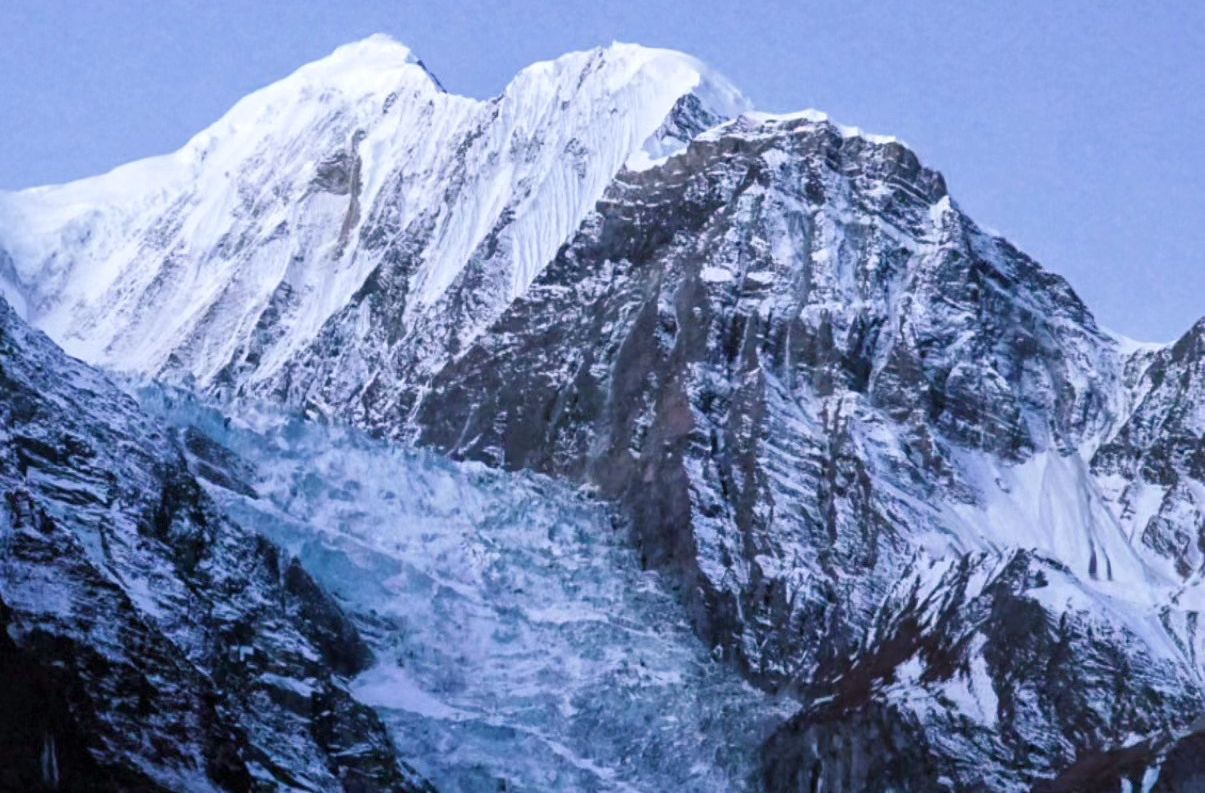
(184, 250)
(361, 65)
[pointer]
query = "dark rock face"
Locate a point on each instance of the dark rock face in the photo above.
(1158, 453)
(148, 642)
(790, 357)
(1049, 687)
(1166, 764)
(876, 750)
(672, 344)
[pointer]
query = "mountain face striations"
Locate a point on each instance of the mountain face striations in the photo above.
(893, 470)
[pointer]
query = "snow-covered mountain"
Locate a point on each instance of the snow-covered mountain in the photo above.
(884, 451)
(348, 220)
(147, 641)
(893, 467)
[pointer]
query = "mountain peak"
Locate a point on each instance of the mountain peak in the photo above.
(374, 45)
(366, 140)
(378, 60)
(620, 63)
(377, 53)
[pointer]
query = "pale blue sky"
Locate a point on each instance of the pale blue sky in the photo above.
(1074, 128)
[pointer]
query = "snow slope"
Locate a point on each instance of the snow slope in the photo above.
(283, 208)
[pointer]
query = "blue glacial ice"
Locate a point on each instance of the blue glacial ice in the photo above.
(519, 645)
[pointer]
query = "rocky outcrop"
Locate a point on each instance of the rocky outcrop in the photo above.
(149, 642)
(1153, 466)
(1165, 764)
(975, 669)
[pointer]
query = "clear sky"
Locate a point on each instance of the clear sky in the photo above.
(1075, 128)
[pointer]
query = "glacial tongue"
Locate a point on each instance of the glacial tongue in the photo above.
(519, 644)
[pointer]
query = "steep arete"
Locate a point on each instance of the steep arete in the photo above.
(342, 217)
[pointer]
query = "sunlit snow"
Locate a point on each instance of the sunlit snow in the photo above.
(172, 260)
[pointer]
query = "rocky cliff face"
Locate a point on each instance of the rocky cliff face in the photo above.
(810, 378)
(1153, 466)
(148, 642)
(985, 672)
(894, 467)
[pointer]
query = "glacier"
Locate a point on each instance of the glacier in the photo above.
(520, 644)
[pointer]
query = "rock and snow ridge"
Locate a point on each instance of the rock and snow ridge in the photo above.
(882, 443)
(900, 472)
